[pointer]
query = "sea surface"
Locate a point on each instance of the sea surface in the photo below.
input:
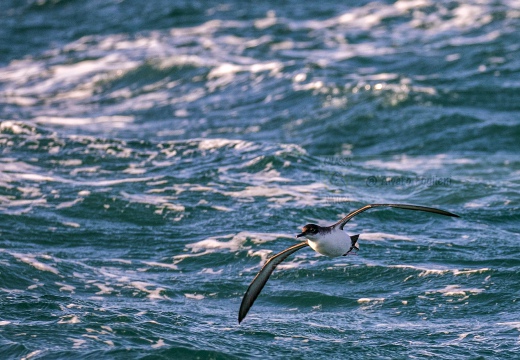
(154, 154)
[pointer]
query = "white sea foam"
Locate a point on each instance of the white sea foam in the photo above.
(456, 290)
(163, 265)
(31, 354)
(417, 164)
(475, 204)
(102, 183)
(107, 328)
(288, 265)
(71, 224)
(14, 127)
(110, 57)
(442, 271)
(69, 319)
(459, 338)
(30, 259)
(235, 242)
(278, 195)
(65, 287)
(221, 208)
(158, 344)
(68, 204)
(165, 202)
(211, 271)
(103, 289)
(109, 121)
(94, 337)
(214, 144)
(154, 294)
(469, 272)
(212, 244)
(122, 261)
(77, 343)
(227, 69)
(74, 306)
(382, 236)
(370, 300)
(262, 253)
(267, 175)
(194, 296)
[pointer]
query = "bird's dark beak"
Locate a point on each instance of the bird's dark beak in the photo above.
(300, 235)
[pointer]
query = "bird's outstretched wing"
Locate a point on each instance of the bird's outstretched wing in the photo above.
(343, 221)
(261, 278)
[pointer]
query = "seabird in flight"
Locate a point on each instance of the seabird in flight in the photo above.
(330, 240)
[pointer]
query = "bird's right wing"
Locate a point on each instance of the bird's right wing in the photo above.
(261, 278)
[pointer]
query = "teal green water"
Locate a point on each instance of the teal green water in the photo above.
(154, 155)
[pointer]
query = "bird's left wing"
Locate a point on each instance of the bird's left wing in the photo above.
(343, 221)
(261, 278)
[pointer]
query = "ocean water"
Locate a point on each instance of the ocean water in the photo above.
(154, 154)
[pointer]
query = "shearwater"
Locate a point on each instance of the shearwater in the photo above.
(330, 240)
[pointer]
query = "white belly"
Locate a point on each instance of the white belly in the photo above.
(336, 243)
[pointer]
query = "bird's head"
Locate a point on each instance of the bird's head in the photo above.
(309, 231)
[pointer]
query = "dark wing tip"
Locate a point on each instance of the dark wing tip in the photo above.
(420, 208)
(244, 309)
(250, 296)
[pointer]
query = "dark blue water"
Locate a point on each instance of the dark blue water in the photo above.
(154, 154)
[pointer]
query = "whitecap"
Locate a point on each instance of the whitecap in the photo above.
(158, 264)
(107, 121)
(211, 271)
(376, 236)
(77, 343)
(369, 300)
(103, 289)
(212, 244)
(161, 202)
(154, 294)
(424, 271)
(214, 144)
(69, 319)
(31, 260)
(194, 296)
(472, 271)
(278, 195)
(32, 354)
(65, 287)
(456, 291)
(158, 344)
(417, 164)
(15, 127)
(235, 243)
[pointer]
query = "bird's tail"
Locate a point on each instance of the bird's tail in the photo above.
(354, 242)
